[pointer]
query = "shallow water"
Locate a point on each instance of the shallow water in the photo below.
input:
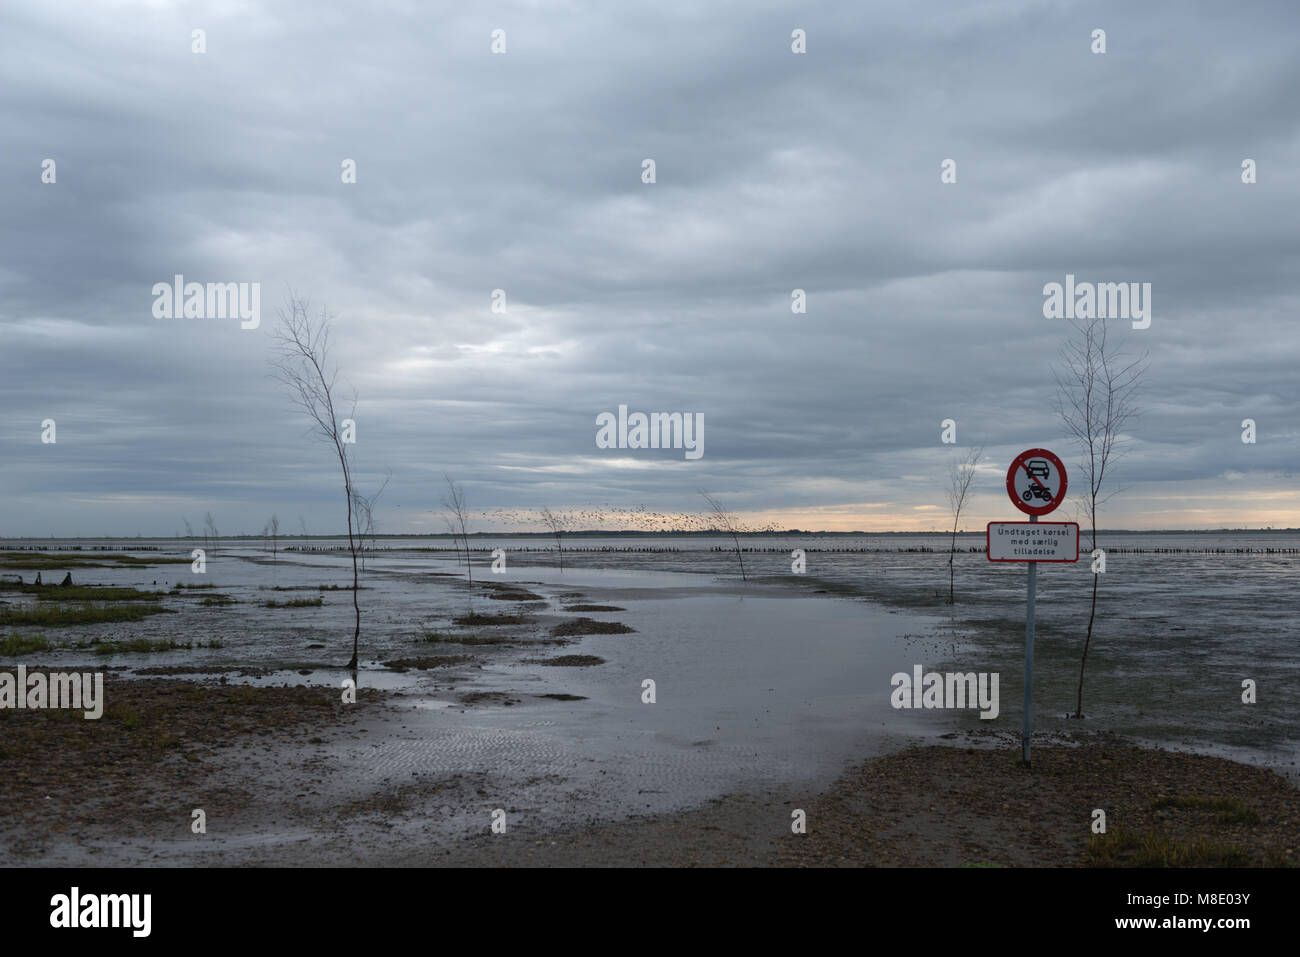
(1177, 633)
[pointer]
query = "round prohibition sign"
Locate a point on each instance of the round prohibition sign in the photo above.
(1036, 481)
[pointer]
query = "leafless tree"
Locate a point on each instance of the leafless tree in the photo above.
(365, 512)
(960, 475)
(302, 362)
(274, 527)
(457, 521)
(209, 530)
(728, 523)
(558, 523)
(1095, 400)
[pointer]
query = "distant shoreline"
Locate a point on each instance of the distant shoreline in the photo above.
(631, 533)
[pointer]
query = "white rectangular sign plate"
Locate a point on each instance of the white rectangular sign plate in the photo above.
(1033, 541)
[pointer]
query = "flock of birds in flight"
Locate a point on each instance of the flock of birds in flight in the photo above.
(619, 518)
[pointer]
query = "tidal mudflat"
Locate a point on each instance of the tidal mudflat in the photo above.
(611, 715)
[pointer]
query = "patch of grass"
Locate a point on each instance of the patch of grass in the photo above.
(54, 751)
(438, 637)
(514, 594)
(217, 600)
(1122, 847)
(179, 586)
(137, 560)
(143, 645)
(478, 697)
(16, 644)
(42, 562)
(1229, 810)
(567, 661)
(473, 618)
(92, 593)
(295, 603)
(981, 864)
(306, 588)
(56, 561)
(423, 664)
(79, 592)
(82, 613)
(589, 626)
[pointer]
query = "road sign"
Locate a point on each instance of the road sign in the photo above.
(1032, 541)
(1036, 481)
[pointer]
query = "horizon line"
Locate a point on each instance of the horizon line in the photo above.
(597, 533)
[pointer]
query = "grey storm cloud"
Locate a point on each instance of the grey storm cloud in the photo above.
(522, 171)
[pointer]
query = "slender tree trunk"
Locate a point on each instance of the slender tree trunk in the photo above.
(1078, 704)
(356, 602)
(1092, 616)
(469, 569)
(740, 558)
(952, 549)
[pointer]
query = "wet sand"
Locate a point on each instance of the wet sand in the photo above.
(269, 775)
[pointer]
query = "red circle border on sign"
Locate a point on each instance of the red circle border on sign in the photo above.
(1011, 485)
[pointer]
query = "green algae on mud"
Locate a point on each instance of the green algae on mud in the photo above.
(474, 618)
(435, 637)
(15, 644)
(566, 661)
(590, 626)
(145, 646)
(45, 561)
(53, 592)
(423, 664)
(503, 592)
(295, 603)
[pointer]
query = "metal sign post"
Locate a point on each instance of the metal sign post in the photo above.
(1036, 483)
(1027, 729)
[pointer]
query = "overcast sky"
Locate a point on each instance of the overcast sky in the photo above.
(522, 171)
